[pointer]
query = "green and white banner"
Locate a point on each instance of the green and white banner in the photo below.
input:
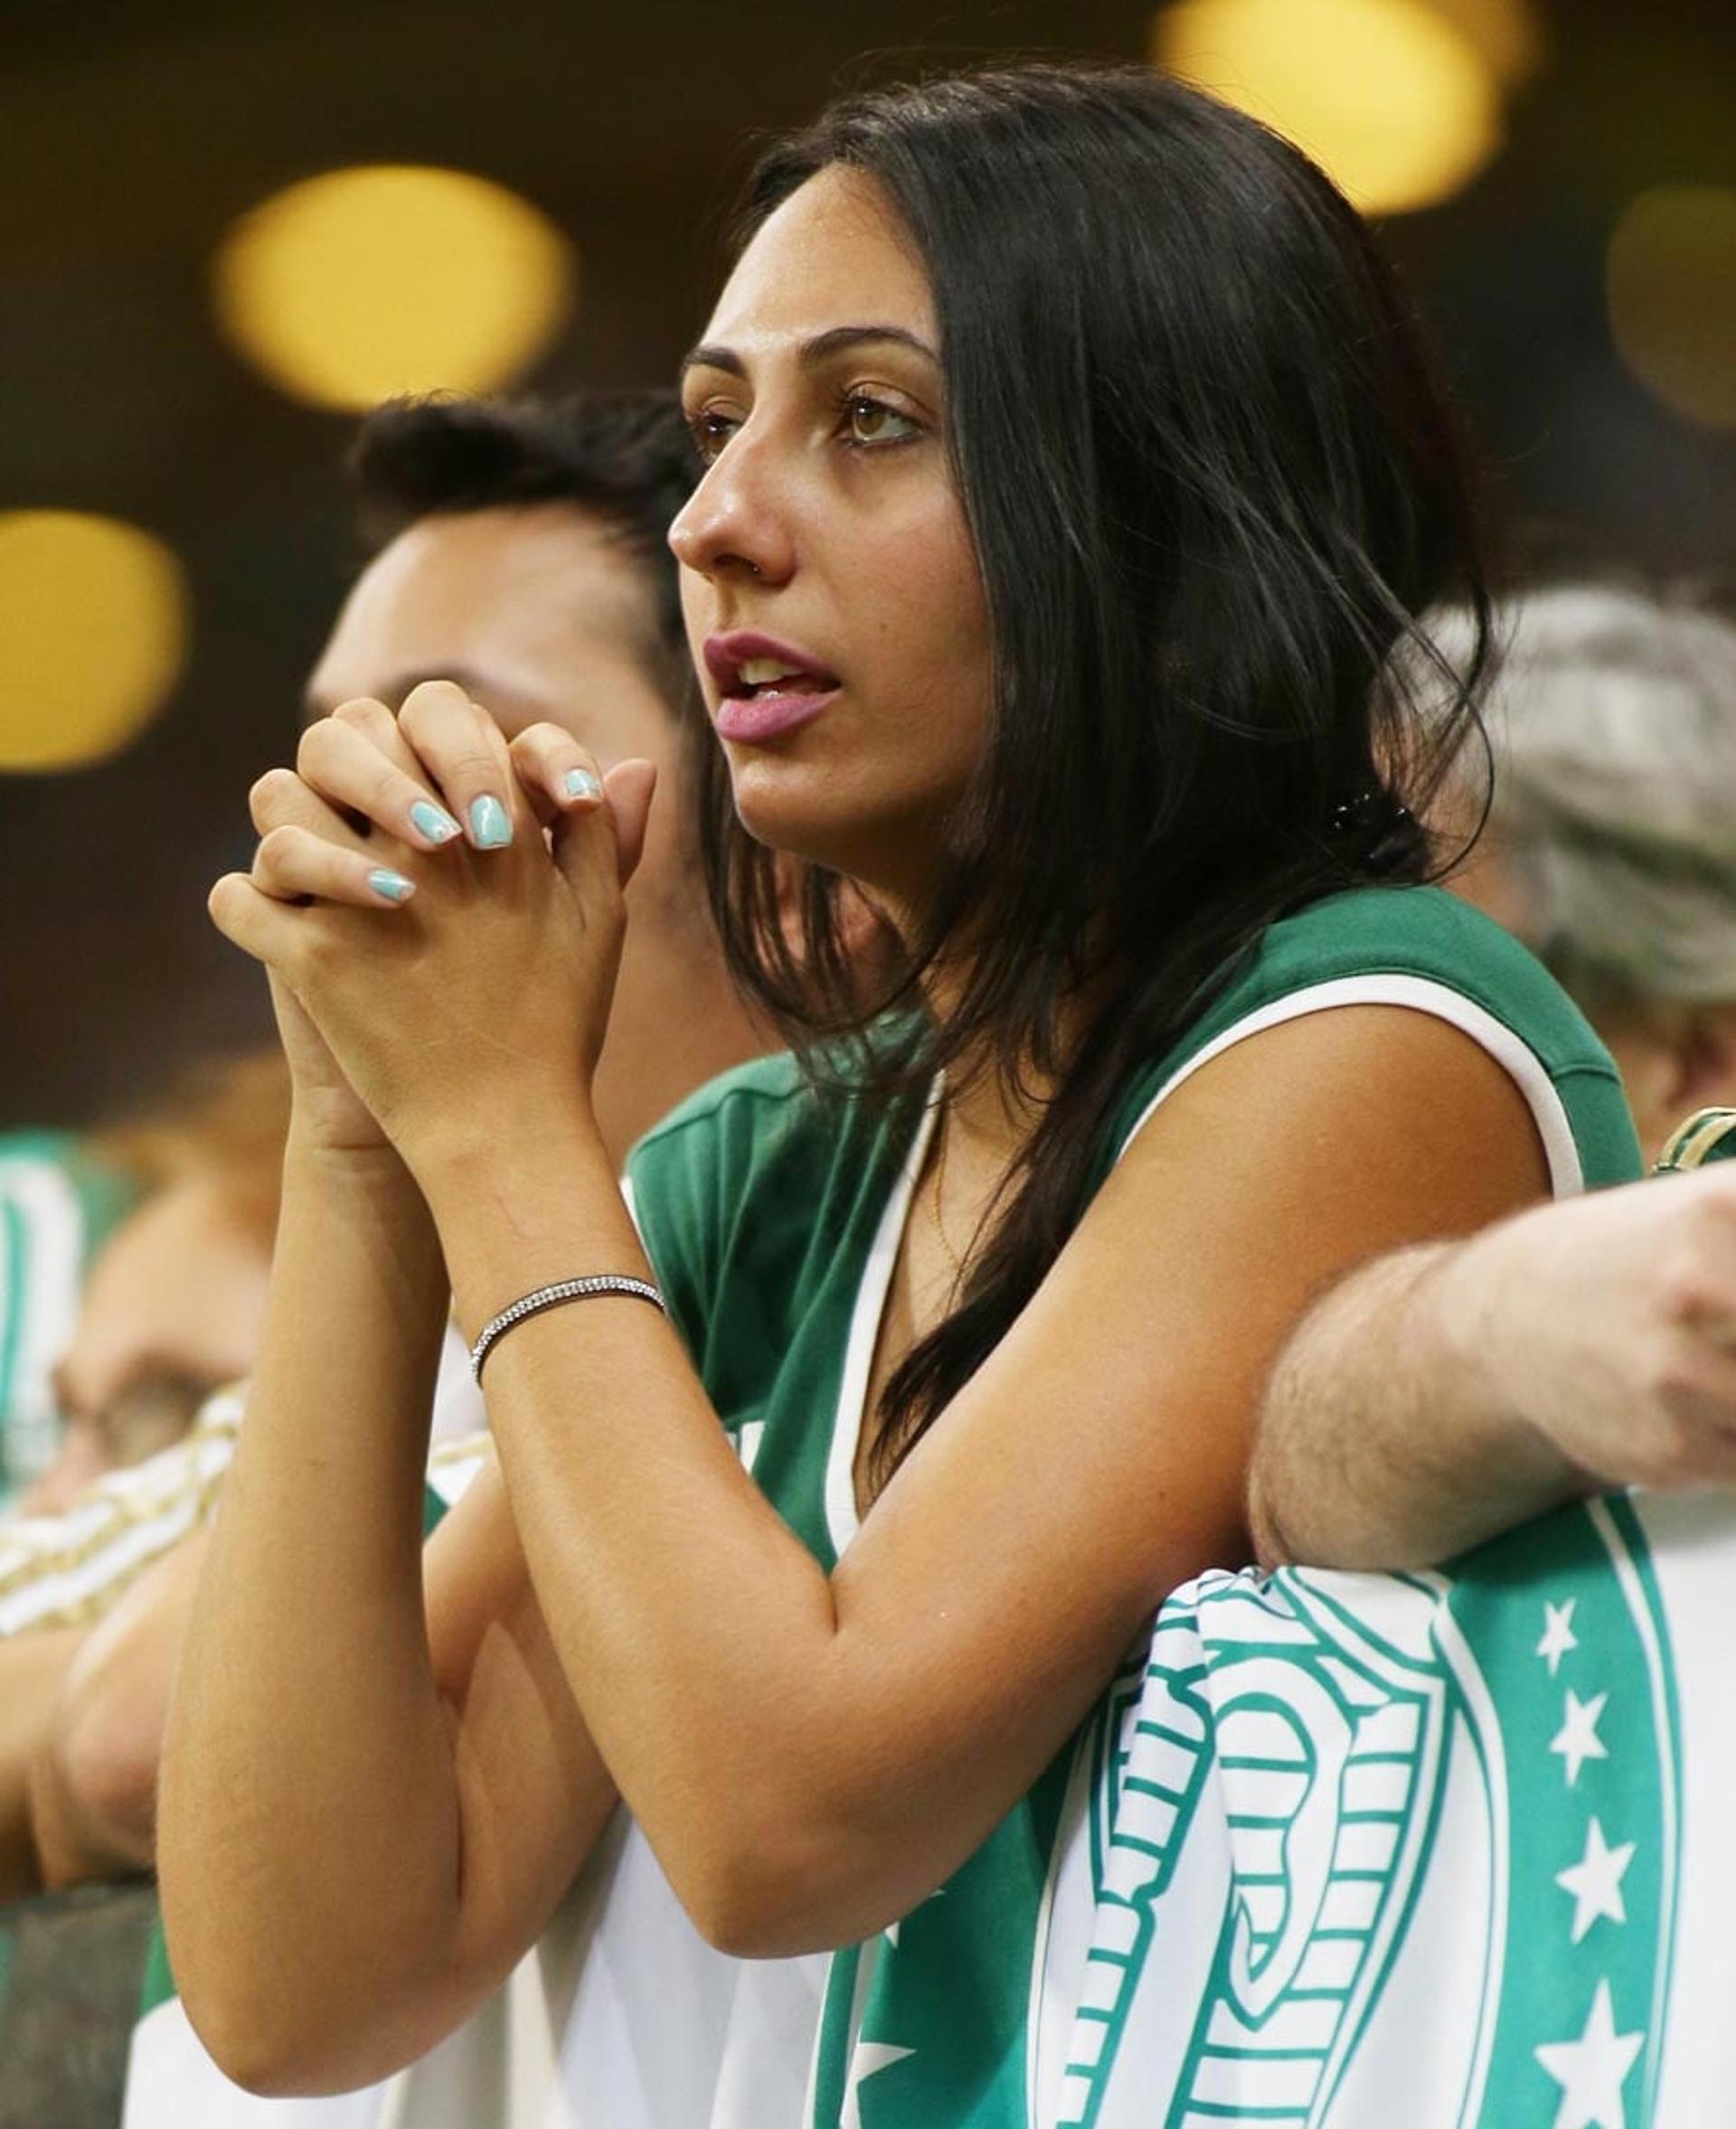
(1334, 1851)
(1357, 1851)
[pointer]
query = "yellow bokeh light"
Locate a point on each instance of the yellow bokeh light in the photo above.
(1671, 288)
(1396, 104)
(1507, 34)
(93, 629)
(349, 288)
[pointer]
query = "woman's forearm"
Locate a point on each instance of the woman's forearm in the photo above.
(1388, 1436)
(694, 1625)
(308, 1832)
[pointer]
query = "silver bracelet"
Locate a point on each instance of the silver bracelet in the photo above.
(541, 1297)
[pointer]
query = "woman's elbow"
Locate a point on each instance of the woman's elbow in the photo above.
(252, 2041)
(277, 2045)
(294, 2013)
(746, 1902)
(775, 1886)
(738, 1922)
(768, 1918)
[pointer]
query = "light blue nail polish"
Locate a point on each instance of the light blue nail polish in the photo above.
(489, 827)
(433, 821)
(582, 783)
(393, 886)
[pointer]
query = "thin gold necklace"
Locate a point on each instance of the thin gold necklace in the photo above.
(939, 1173)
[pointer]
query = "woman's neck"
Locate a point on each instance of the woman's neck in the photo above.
(985, 1105)
(989, 1117)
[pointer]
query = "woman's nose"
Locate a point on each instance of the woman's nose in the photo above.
(738, 520)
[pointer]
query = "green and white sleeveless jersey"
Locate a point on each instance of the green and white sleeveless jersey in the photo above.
(773, 1221)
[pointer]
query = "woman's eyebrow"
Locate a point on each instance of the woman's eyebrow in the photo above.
(709, 356)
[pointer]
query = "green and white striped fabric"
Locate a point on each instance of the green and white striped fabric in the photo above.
(55, 1208)
(69, 1569)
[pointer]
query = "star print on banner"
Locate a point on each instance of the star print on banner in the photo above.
(1595, 1881)
(871, 2057)
(1577, 1740)
(1592, 2070)
(1559, 1638)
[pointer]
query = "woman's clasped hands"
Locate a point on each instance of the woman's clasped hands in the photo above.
(441, 914)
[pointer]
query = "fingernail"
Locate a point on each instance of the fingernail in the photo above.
(489, 827)
(432, 821)
(582, 783)
(392, 887)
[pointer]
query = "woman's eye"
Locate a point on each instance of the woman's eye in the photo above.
(873, 421)
(711, 428)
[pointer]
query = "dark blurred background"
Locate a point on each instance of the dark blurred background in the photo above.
(1583, 278)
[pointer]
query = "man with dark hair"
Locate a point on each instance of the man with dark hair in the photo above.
(519, 549)
(624, 458)
(522, 554)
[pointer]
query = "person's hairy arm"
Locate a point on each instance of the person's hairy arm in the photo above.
(1443, 1393)
(1379, 1446)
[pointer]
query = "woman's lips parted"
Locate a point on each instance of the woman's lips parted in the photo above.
(767, 688)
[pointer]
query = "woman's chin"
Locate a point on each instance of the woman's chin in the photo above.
(790, 808)
(884, 839)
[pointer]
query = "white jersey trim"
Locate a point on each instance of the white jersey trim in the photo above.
(1417, 994)
(841, 1519)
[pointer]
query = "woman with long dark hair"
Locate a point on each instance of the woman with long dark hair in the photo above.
(1071, 469)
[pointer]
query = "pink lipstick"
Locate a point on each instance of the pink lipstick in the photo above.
(768, 688)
